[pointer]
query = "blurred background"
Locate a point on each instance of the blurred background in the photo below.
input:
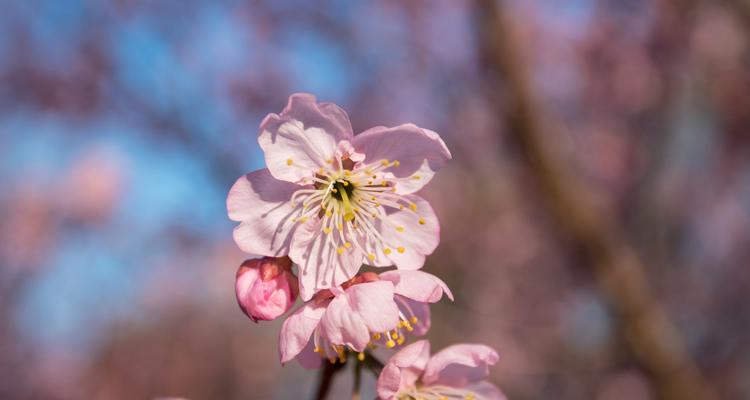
(124, 123)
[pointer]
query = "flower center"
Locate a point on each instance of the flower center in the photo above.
(350, 200)
(344, 190)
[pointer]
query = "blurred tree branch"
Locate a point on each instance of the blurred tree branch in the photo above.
(650, 336)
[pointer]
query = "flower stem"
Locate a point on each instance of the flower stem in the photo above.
(373, 364)
(326, 378)
(357, 380)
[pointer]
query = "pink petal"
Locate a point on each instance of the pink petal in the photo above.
(324, 115)
(262, 204)
(417, 309)
(486, 390)
(419, 152)
(459, 365)
(417, 239)
(341, 325)
(297, 329)
(415, 356)
(294, 152)
(308, 358)
(321, 266)
(374, 303)
(389, 382)
(403, 369)
(417, 285)
(307, 142)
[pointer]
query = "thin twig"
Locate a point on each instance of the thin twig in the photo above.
(650, 336)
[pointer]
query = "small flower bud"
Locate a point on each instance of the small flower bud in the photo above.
(266, 287)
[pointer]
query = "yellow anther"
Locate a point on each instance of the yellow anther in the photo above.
(390, 344)
(399, 228)
(318, 349)
(345, 183)
(396, 163)
(376, 336)
(368, 171)
(371, 256)
(413, 206)
(401, 249)
(340, 227)
(409, 328)
(289, 161)
(327, 230)
(400, 207)
(361, 356)
(394, 335)
(415, 177)
(329, 161)
(347, 245)
(421, 221)
(387, 251)
(328, 213)
(470, 396)
(400, 340)
(369, 182)
(340, 250)
(414, 320)
(321, 171)
(373, 198)
(384, 162)
(302, 220)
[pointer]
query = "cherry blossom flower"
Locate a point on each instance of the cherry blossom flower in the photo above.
(266, 288)
(369, 310)
(456, 372)
(331, 200)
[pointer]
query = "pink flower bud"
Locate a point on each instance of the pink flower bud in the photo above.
(266, 287)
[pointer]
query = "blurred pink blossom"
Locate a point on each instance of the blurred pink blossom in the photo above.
(331, 200)
(365, 311)
(266, 287)
(456, 372)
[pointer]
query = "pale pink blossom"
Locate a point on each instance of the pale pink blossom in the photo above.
(367, 311)
(456, 372)
(266, 288)
(331, 200)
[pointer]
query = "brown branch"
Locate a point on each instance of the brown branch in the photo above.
(649, 335)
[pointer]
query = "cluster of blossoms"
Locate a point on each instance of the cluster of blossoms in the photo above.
(330, 202)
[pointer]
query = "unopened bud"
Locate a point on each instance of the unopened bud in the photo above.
(266, 287)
